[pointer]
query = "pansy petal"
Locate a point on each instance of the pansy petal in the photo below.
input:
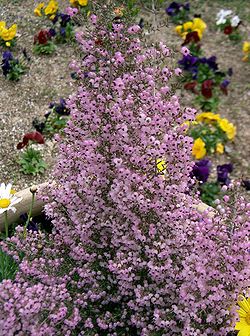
(188, 26)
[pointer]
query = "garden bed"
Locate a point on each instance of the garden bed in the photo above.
(48, 79)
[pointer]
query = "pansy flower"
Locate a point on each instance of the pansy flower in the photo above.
(201, 170)
(223, 172)
(197, 25)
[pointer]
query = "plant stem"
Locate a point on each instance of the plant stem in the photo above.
(30, 212)
(6, 224)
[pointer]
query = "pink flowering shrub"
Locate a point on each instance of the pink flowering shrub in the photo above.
(129, 254)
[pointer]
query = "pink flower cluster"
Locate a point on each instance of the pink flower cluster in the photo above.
(129, 254)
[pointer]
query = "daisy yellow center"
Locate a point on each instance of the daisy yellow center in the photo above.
(4, 203)
(248, 318)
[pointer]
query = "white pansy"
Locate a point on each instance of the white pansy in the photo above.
(222, 16)
(235, 21)
(7, 198)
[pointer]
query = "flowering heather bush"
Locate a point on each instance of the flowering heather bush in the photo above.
(129, 254)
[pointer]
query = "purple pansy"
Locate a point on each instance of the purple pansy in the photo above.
(223, 172)
(65, 18)
(201, 170)
(211, 62)
(174, 8)
(6, 65)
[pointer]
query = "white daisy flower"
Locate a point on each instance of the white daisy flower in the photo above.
(235, 21)
(8, 198)
(222, 16)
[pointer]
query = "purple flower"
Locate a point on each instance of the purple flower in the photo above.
(225, 83)
(223, 172)
(246, 184)
(230, 72)
(52, 32)
(211, 62)
(32, 226)
(61, 107)
(54, 21)
(223, 86)
(173, 8)
(201, 170)
(63, 32)
(65, 18)
(189, 63)
(6, 62)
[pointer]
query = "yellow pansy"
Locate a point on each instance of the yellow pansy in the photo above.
(52, 8)
(246, 47)
(207, 117)
(8, 34)
(83, 2)
(199, 149)
(243, 326)
(73, 2)
(246, 51)
(228, 128)
(219, 148)
(37, 10)
(161, 165)
(197, 25)
(79, 2)
(2, 25)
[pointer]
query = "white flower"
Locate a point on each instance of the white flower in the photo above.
(235, 21)
(221, 16)
(7, 198)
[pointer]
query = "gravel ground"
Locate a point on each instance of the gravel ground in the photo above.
(48, 79)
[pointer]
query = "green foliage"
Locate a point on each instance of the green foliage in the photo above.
(55, 123)
(210, 105)
(8, 266)
(47, 48)
(69, 34)
(210, 191)
(31, 162)
(16, 70)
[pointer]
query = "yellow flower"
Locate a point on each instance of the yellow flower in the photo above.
(7, 44)
(246, 51)
(199, 149)
(37, 10)
(83, 2)
(243, 326)
(2, 25)
(52, 8)
(219, 148)
(197, 25)
(8, 34)
(73, 2)
(79, 2)
(207, 117)
(246, 47)
(228, 128)
(161, 165)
